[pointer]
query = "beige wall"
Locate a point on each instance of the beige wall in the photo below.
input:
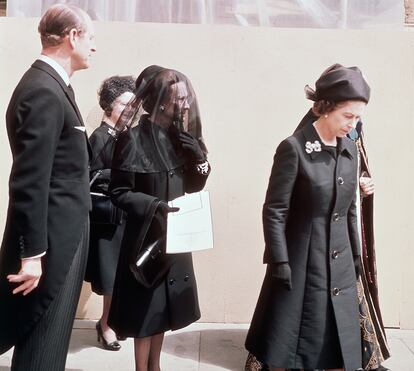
(250, 83)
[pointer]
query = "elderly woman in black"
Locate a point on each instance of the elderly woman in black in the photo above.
(158, 160)
(105, 239)
(307, 313)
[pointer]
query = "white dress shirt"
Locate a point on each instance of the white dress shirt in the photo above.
(57, 67)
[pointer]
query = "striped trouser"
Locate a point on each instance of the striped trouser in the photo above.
(46, 346)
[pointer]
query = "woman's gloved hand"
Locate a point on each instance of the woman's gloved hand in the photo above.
(191, 144)
(165, 208)
(367, 186)
(282, 272)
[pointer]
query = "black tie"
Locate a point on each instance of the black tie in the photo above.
(71, 92)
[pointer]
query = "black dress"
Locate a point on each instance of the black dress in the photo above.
(148, 166)
(105, 239)
(309, 219)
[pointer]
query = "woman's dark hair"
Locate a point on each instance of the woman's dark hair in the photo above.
(57, 21)
(322, 107)
(112, 88)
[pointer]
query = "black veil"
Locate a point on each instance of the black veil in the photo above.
(164, 104)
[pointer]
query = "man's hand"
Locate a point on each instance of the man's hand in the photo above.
(29, 275)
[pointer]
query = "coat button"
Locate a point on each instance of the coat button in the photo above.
(335, 254)
(171, 281)
(335, 217)
(171, 173)
(336, 291)
(186, 277)
(341, 180)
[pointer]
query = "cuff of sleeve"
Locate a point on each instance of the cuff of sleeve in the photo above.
(203, 168)
(33, 257)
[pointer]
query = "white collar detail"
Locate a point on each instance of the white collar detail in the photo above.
(57, 67)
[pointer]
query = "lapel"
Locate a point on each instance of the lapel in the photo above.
(69, 94)
(51, 71)
(345, 146)
(311, 135)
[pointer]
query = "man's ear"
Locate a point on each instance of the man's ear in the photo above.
(73, 35)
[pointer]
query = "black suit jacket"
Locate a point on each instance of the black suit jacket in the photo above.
(49, 196)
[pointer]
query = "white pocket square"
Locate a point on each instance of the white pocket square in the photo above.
(81, 128)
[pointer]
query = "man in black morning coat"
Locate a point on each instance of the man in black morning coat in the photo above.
(44, 249)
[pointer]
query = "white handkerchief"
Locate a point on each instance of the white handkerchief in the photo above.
(81, 128)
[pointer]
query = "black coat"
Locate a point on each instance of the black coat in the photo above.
(137, 311)
(309, 219)
(105, 239)
(49, 196)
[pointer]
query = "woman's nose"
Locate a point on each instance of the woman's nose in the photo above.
(186, 104)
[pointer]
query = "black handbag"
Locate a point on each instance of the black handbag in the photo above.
(149, 263)
(103, 210)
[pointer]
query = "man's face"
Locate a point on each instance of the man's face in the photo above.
(84, 46)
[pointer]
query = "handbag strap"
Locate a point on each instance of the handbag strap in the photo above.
(145, 227)
(96, 176)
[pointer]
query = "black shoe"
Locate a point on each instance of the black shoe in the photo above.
(381, 368)
(108, 346)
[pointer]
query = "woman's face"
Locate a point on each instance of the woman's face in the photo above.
(177, 105)
(119, 104)
(345, 117)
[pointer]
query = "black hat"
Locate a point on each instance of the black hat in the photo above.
(338, 84)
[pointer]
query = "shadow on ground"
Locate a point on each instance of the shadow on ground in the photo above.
(84, 339)
(222, 348)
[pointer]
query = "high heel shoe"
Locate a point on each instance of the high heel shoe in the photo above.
(114, 345)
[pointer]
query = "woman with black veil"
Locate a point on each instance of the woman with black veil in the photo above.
(159, 155)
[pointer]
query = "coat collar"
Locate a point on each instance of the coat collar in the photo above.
(41, 65)
(311, 135)
(56, 66)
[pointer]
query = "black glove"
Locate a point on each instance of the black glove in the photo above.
(191, 144)
(165, 208)
(358, 266)
(282, 272)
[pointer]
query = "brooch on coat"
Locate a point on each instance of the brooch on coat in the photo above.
(315, 146)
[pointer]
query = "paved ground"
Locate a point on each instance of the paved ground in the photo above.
(199, 347)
